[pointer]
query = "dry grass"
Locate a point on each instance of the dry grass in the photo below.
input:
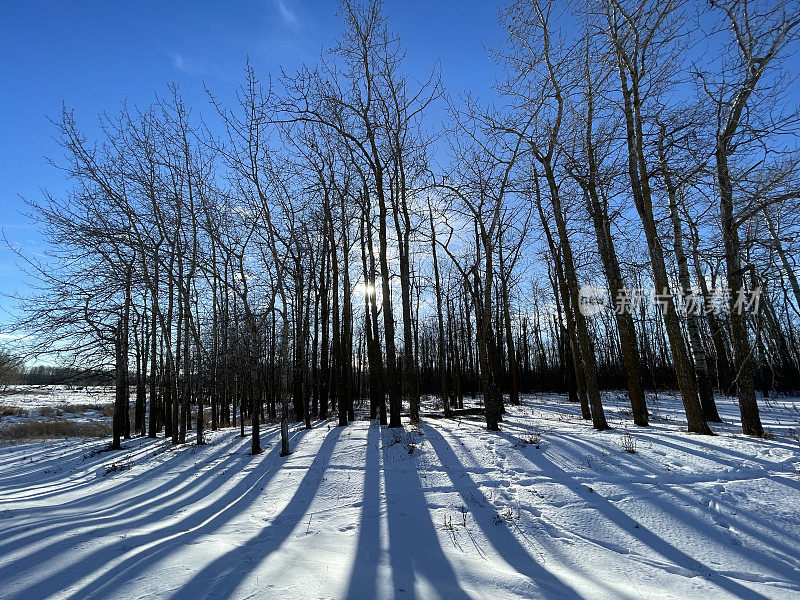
(50, 412)
(12, 411)
(14, 391)
(107, 410)
(34, 429)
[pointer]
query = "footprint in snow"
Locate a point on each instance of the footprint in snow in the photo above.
(619, 549)
(745, 576)
(722, 523)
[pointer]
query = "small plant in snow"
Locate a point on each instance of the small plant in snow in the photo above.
(116, 468)
(448, 523)
(533, 438)
(411, 446)
(405, 439)
(628, 443)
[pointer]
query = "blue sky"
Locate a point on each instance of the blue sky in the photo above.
(93, 55)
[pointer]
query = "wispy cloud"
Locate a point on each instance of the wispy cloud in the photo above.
(194, 67)
(285, 12)
(186, 65)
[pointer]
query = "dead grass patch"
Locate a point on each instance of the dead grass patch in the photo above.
(107, 410)
(11, 391)
(64, 428)
(50, 412)
(12, 411)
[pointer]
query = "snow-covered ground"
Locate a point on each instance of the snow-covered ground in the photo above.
(54, 402)
(547, 508)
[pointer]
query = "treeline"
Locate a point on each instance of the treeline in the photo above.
(326, 245)
(14, 371)
(55, 375)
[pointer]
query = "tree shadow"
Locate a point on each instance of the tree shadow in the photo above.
(14, 453)
(141, 550)
(732, 458)
(614, 514)
(504, 542)
(118, 521)
(363, 578)
(19, 457)
(221, 577)
(671, 493)
(129, 509)
(414, 547)
(50, 469)
(776, 564)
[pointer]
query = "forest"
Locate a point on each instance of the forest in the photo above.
(316, 256)
(353, 241)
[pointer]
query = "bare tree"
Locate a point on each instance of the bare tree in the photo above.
(762, 36)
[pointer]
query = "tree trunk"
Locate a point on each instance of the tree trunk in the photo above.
(640, 187)
(742, 349)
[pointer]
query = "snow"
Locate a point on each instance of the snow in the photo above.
(60, 402)
(547, 508)
(27, 396)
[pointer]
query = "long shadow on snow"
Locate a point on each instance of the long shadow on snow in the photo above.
(363, 579)
(721, 455)
(128, 485)
(125, 514)
(505, 542)
(33, 478)
(145, 551)
(221, 577)
(776, 564)
(647, 537)
(679, 498)
(735, 457)
(413, 543)
(19, 457)
(126, 488)
(133, 450)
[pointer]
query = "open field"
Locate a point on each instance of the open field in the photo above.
(34, 412)
(548, 508)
